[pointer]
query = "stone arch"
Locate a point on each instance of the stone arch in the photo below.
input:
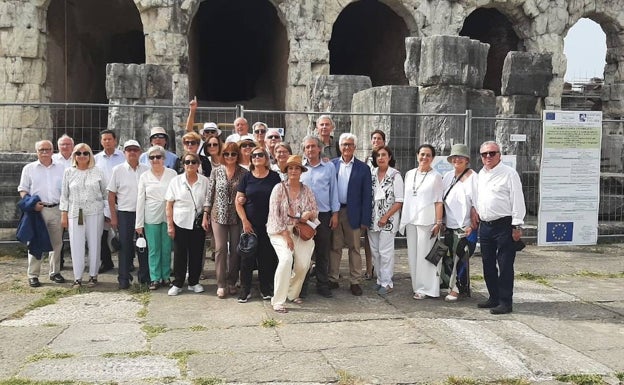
(489, 25)
(246, 61)
(368, 38)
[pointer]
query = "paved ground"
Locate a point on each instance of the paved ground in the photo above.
(568, 319)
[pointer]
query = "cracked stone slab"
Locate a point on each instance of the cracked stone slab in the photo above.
(12, 302)
(89, 340)
(103, 369)
(592, 289)
(89, 308)
(30, 340)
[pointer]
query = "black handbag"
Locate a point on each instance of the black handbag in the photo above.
(197, 223)
(437, 252)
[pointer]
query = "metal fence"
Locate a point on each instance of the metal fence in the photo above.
(405, 131)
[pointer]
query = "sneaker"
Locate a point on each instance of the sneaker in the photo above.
(266, 297)
(385, 290)
(198, 288)
(92, 282)
(77, 284)
(243, 298)
(174, 290)
(451, 297)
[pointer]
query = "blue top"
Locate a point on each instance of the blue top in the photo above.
(322, 181)
(170, 159)
(258, 192)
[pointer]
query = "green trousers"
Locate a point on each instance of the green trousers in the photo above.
(159, 246)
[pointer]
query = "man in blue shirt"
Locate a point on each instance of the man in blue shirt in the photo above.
(321, 178)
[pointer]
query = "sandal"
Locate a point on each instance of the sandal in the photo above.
(419, 296)
(77, 284)
(154, 285)
(221, 292)
(280, 309)
(92, 282)
(298, 300)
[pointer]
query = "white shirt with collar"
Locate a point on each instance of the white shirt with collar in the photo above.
(44, 181)
(58, 158)
(500, 194)
(125, 183)
(183, 196)
(107, 163)
(344, 173)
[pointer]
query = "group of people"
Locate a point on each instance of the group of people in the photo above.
(253, 184)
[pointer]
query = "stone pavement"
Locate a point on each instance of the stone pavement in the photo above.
(568, 319)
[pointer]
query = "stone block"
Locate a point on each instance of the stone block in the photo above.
(157, 81)
(526, 73)
(29, 136)
(481, 102)
(519, 104)
(21, 70)
(437, 127)
(413, 46)
(166, 48)
(124, 81)
(310, 51)
(528, 153)
(335, 93)
(19, 117)
(23, 42)
(401, 131)
(452, 60)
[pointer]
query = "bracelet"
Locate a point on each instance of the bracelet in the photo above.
(438, 222)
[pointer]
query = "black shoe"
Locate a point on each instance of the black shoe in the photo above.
(132, 268)
(105, 268)
(356, 290)
(487, 304)
(244, 297)
(501, 309)
(124, 285)
(333, 285)
(324, 292)
(34, 282)
(57, 278)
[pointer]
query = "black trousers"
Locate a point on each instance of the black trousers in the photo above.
(266, 261)
(322, 247)
(497, 248)
(188, 250)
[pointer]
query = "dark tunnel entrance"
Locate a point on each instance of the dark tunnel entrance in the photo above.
(238, 52)
(490, 26)
(368, 39)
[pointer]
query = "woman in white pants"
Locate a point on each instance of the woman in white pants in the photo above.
(82, 206)
(421, 218)
(291, 202)
(387, 203)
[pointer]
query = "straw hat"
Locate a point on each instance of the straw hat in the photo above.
(294, 160)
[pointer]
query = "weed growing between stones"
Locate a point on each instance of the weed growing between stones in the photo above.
(182, 358)
(144, 299)
(460, 381)
(270, 323)
(346, 378)
(19, 381)
(533, 277)
(152, 331)
(208, 381)
(620, 376)
(47, 354)
(50, 297)
(198, 328)
(593, 274)
(581, 379)
(140, 353)
(476, 277)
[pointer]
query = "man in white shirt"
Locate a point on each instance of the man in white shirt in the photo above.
(44, 178)
(106, 160)
(65, 146)
(122, 189)
(241, 128)
(501, 209)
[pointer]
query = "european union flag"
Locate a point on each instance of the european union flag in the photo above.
(559, 231)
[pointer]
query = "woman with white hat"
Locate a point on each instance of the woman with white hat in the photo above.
(460, 198)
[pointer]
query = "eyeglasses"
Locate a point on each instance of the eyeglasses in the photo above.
(44, 150)
(246, 145)
(212, 144)
(159, 136)
(84, 153)
(347, 145)
(133, 149)
(152, 157)
(282, 153)
(189, 161)
(273, 137)
(191, 143)
(230, 154)
(259, 131)
(490, 154)
(258, 155)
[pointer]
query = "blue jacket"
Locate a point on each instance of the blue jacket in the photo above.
(32, 229)
(359, 196)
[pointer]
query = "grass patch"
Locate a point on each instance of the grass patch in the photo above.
(198, 328)
(50, 297)
(512, 381)
(270, 323)
(21, 381)
(208, 381)
(581, 379)
(182, 358)
(140, 353)
(533, 277)
(152, 331)
(477, 277)
(460, 381)
(594, 274)
(46, 354)
(139, 288)
(345, 378)
(620, 376)
(144, 299)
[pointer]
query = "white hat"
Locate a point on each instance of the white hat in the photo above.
(158, 130)
(211, 126)
(131, 143)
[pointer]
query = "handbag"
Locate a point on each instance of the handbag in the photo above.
(197, 223)
(437, 252)
(304, 231)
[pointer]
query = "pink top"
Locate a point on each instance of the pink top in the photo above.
(279, 207)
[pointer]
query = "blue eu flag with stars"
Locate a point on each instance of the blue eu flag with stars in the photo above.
(559, 231)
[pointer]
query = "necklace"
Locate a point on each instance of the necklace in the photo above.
(414, 187)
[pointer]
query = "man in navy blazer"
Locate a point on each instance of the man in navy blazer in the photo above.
(355, 196)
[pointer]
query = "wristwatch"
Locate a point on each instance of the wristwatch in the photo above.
(516, 227)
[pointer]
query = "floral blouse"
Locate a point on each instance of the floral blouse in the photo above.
(282, 211)
(83, 189)
(221, 195)
(386, 193)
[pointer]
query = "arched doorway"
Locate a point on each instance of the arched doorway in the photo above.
(238, 52)
(83, 36)
(490, 26)
(368, 38)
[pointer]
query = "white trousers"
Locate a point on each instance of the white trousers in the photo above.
(425, 276)
(382, 251)
(91, 232)
(292, 267)
(52, 218)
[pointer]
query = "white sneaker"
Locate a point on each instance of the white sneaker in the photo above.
(174, 290)
(196, 288)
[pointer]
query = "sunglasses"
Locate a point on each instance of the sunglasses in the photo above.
(230, 154)
(273, 137)
(490, 154)
(260, 132)
(159, 136)
(212, 144)
(152, 157)
(44, 150)
(210, 132)
(191, 143)
(188, 161)
(84, 153)
(258, 155)
(246, 145)
(133, 149)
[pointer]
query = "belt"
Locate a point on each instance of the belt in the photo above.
(50, 205)
(497, 222)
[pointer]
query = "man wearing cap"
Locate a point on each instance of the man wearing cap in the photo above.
(106, 160)
(159, 137)
(501, 208)
(44, 177)
(241, 128)
(123, 188)
(321, 179)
